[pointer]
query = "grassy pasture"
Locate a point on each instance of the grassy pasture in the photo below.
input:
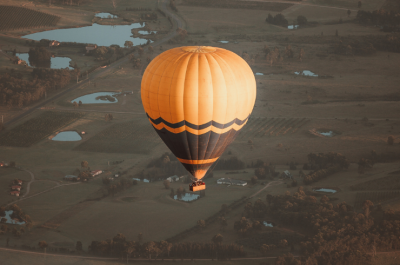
(35, 129)
(135, 136)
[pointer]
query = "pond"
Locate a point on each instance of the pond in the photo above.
(97, 98)
(326, 133)
(268, 224)
(9, 220)
(187, 197)
(67, 136)
(105, 15)
(55, 62)
(306, 73)
(326, 190)
(146, 32)
(259, 74)
(293, 26)
(102, 35)
(144, 180)
(223, 41)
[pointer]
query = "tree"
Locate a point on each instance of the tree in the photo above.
(43, 245)
(301, 54)
(78, 246)
(264, 249)
(390, 140)
(140, 237)
(140, 51)
(75, 104)
(366, 207)
(80, 103)
(359, 4)
(166, 184)
(301, 20)
(128, 44)
(348, 12)
(84, 164)
(223, 223)
(254, 180)
(217, 239)
(201, 224)
(150, 49)
(130, 247)
(22, 230)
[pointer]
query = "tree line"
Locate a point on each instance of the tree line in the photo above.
(19, 92)
(119, 246)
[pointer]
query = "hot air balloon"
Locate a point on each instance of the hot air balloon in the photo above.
(197, 98)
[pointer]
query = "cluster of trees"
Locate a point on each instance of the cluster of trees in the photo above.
(16, 91)
(232, 163)
(320, 174)
(163, 167)
(340, 234)
(38, 55)
(114, 186)
(278, 19)
(274, 55)
(119, 246)
(108, 117)
(68, 2)
(354, 47)
(181, 36)
(172, 5)
(379, 17)
(149, 16)
(264, 170)
(16, 214)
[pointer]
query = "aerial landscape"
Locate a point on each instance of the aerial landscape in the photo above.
(90, 175)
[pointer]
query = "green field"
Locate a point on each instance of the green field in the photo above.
(36, 129)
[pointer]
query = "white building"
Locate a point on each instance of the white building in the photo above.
(227, 181)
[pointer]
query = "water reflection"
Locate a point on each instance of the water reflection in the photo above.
(259, 74)
(306, 73)
(55, 62)
(97, 98)
(146, 32)
(187, 197)
(223, 41)
(144, 180)
(105, 15)
(9, 220)
(329, 134)
(102, 35)
(67, 136)
(292, 26)
(326, 190)
(268, 224)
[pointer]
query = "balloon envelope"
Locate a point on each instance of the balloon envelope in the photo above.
(197, 99)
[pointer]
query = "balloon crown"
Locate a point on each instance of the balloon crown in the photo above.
(199, 49)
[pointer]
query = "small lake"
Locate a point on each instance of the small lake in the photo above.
(223, 41)
(146, 32)
(91, 98)
(55, 62)
(144, 180)
(326, 190)
(67, 136)
(9, 220)
(325, 133)
(306, 73)
(259, 74)
(293, 26)
(105, 15)
(187, 197)
(268, 224)
(102, 35)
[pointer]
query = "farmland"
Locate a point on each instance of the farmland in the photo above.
(36, 129)
(13, 18)
(129, 137)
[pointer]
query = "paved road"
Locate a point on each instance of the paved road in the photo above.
(101, 71)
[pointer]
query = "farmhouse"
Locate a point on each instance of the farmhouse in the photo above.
(18, 182)
(231, 182)
(15, 193)
(16, 187)
(287, 174)
(173, 178)
(90, 47)
(96, 172)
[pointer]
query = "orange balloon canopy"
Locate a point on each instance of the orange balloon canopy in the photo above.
(197, 99)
